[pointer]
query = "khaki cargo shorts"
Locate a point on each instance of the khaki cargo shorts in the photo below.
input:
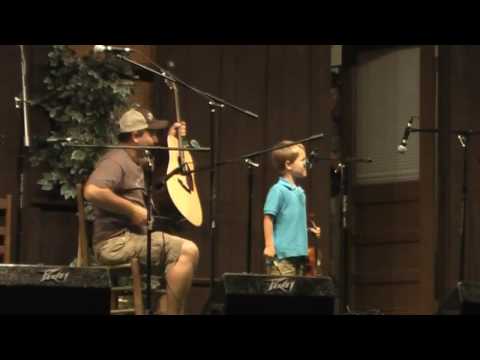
(166, 250)
(294, 266)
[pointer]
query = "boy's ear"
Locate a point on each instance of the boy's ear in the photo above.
(287, 164)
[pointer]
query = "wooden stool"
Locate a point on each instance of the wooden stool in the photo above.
(6, 229)
(133, 268)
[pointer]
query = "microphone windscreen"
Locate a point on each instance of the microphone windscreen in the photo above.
(99, 49)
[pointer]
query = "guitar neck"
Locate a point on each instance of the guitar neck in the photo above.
(177, 111)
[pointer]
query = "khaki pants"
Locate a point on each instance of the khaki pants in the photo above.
(166, 250)
(286, 267)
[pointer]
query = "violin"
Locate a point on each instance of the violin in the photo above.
(314, 255)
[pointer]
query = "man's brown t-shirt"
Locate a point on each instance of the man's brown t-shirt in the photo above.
(118, 172)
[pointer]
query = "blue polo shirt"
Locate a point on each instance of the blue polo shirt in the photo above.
(286, 203)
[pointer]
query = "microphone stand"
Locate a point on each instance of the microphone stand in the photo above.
(24, 100)
(250, 166)
(215, 103)
(464, 140)
(213, 107)
(148, 173)
(343, 169)
(22, 103)
(344, 238)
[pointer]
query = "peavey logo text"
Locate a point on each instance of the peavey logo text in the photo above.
(55, 275)
(284, 285)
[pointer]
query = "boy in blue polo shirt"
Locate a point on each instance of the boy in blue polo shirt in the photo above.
(285, 214)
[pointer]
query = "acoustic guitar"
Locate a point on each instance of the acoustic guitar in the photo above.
(181, 186)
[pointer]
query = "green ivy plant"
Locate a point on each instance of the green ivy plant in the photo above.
(82, 96)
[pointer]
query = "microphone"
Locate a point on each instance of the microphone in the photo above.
(358, 160)
(194, 144)
(149, 162)
(97, 49)
(402, 148)
(313, 154)
(54, 140)
(251, 163)
(313, 157)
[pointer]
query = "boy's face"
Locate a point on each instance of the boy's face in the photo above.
(298, 168)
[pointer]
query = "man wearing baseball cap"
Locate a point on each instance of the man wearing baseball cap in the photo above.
(116, 190)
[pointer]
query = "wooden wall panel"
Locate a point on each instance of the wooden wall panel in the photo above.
(459, 108)
(387, 257)
(392, 299)
(11, 129)
(386, 246)
(243, 84)
(393, 229)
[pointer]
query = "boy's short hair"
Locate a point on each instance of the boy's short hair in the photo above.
(288, 153)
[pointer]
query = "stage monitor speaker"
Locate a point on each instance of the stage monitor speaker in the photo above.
(464, 299)
(38, 289)
(263, 294)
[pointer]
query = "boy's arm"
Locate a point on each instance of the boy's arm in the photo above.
(268, 235)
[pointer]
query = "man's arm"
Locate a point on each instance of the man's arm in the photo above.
(268, 235)
(106, 199)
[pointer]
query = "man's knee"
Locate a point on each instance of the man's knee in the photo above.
(190, 250)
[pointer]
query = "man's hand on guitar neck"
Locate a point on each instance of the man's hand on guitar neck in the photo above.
(181, 126)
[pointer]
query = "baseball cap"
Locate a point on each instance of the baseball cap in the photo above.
(140, 119)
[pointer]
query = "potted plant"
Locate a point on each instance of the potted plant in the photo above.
(82, 97)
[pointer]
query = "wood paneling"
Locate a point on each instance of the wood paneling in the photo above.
(405, 276)
(11, 130)
(393, 232)
(386, 244)
(386, 258)
(387, 237)
(428, 185)
(391, 298)
(459, 108)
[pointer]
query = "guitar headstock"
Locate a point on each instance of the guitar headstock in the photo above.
(171, 84)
